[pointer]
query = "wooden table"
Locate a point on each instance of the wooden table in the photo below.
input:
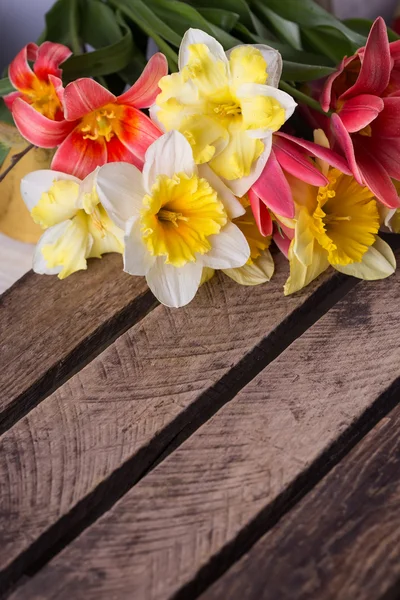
(244, 447)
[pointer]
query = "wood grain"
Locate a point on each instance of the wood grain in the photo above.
(343, 539)
(189, 517)
(117, 415)
(48, 327)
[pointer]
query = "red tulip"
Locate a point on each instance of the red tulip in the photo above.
(364, 94)
(98, 127)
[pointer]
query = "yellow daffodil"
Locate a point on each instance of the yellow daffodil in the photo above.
(336, 225)
(178, 219)
(227, 105)
(77, 227)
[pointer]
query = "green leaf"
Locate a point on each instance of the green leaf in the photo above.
(100, 26)
(179, 16)
(148, 22)
(226, 39)
(286, 30)
(328, 41)
(4, 152)
(363, 26)
(62, 24)
(298, 72)
(5, 114)
(6, 87)
(309, 14)
(224, 19)
(239, 7)
(104, 61)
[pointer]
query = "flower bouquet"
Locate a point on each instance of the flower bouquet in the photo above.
(251, 124)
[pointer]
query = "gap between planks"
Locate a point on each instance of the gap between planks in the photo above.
(182, 499)
(99, 500)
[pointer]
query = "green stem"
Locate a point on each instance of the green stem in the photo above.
(304, 98)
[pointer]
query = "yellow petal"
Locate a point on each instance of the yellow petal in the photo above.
(206, 136)
(56, 205)
(237, 158)
(247, 65)
(71, 249)
(258, 271)
(207, 274)
(300, 274)
(378, 262)
(107, 237)
(208, 74)
(262, 112)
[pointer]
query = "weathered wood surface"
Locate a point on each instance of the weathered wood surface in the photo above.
(125, 407)
(190, 517)
(49, 327)
(341, 541)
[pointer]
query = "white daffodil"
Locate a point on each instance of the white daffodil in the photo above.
(227, 105)
(76, 225)
(177, 219)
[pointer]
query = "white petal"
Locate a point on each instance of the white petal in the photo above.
(36, 183)
(232, 205)
(153, 110)
(241, 186)
(168, 155)
(377, 263)
(229, 249)
(120, 189)
(196, 36)
(50, 236)
(250, 90)
(137, 259)
(260, 271)
(273, 59)
(174, 286)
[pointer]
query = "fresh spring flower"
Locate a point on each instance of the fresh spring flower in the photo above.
(226, 105)
(76, 225)
(364, 93)
(98, 127)
(41, 88)
(336, 225)
(177, 219)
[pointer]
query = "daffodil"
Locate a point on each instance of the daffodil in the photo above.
(76, 225)
(177, 219)
(227, 105)
(336, 225)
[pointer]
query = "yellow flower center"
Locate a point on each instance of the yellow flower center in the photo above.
(100, 123)
(346, 219)
(179, 216)
(248, 226)
(42, 96)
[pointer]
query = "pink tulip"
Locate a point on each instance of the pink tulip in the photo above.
(364, 94)
(98, 127)
(41, 87)
(272, 194)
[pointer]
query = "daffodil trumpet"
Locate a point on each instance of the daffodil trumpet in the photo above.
(178, 219)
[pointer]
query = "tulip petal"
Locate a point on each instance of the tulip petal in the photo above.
(376, 63)
(345, 142)
(137, 258)
(84, 96)
(34, 184)
(174, 286)
(358, 112)
(387, 152)
(387, 123)
(282, 242)
(229, 249)
(273, 189)
(20, 73)
(378, 262)
(376, 177)
(261, 214)
(117, 152)
(38, 129)
(326, 96)
(231, 204)
(79, 156)
(196, 36)
(170, 154)
(137, 132)
(296, 163)
(10, 99)
(49, 57)
(121, 192)
(145, 90)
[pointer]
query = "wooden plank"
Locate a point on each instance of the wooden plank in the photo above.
(190, 516)
(116, 416)
(49, 327)
(342, 540)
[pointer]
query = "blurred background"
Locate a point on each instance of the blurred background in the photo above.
(22, 21)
